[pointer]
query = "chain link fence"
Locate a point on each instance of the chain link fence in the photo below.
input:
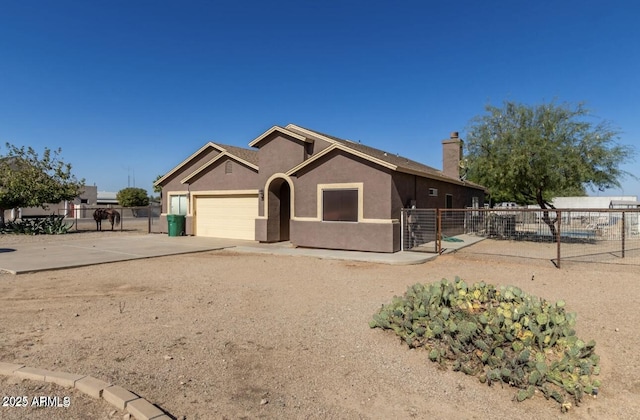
(140, 219)
(580, 235)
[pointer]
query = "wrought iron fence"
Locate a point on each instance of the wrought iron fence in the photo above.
(582, 235)
(141, 219)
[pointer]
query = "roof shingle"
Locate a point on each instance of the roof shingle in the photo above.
(404, 164)
(249, 155)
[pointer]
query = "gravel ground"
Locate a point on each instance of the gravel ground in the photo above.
(221, 335)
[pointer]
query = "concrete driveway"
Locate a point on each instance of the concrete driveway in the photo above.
(51, 255)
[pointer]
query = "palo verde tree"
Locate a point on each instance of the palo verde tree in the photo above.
(531, 154)
(132, 197)
(30, 180)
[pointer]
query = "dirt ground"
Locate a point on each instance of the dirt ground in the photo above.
(220, 335)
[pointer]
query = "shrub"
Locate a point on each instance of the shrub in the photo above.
(500, 335)
(49, 225)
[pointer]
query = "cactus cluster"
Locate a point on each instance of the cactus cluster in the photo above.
(46, 225)
(501, 335)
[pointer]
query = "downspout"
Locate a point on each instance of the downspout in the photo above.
(190, 210)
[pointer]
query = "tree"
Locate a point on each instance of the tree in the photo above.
(132, 197)
(157, 188)
(531, 154)
(28, 180)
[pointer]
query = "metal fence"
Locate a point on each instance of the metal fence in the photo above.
(419, 229)
(581, 235)
(141, 219)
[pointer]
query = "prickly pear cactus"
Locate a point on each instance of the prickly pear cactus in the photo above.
(501, 335)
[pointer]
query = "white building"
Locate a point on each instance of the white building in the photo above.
(589, 202)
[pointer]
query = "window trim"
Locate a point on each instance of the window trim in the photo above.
(184, 194)
(433, 192)
(358, 186)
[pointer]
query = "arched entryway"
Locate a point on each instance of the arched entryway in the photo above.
(279, 210)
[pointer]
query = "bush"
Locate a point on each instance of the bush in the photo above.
(500, 335)
(49, 225)
(132, 197)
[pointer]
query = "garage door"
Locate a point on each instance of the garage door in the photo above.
(231, 217)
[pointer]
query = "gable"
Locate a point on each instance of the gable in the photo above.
(197, 164)
(278, 130)
(217, 160)
(224, 174)
(202, 154)
(319, 157)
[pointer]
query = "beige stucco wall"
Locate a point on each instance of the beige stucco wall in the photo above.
(372, 237)
(376, 232)
(215, 177)
(278, 153)
(336, 168)
(173, 182)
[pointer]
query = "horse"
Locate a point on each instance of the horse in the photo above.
(103, 214)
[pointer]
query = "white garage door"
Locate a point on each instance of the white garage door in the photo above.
(232, 217)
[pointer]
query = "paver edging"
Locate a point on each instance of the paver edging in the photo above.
(117, 396)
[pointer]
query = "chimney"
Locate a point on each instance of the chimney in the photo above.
(452, 155)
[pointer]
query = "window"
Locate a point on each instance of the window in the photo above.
(178, 204)
(448, 204)
(228, 167)
(340, 205)
(84, 201)
(433, 192)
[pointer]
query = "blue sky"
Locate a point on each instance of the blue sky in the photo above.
(128, 89)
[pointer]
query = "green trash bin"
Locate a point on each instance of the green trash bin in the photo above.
(176, 224)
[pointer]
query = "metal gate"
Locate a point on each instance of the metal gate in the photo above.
(419, 230)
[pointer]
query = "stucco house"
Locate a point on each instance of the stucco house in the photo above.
(312, 189)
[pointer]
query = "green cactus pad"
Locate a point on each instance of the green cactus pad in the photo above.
(497, 334)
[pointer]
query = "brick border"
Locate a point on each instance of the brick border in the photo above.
(117, 396)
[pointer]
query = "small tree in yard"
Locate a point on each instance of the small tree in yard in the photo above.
(157, 188)
(531, 154)
(132, 197)
(30, 180)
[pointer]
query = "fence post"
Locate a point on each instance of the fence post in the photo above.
(401, 229)
(559, 234)
(623, 233)
(439, 231)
